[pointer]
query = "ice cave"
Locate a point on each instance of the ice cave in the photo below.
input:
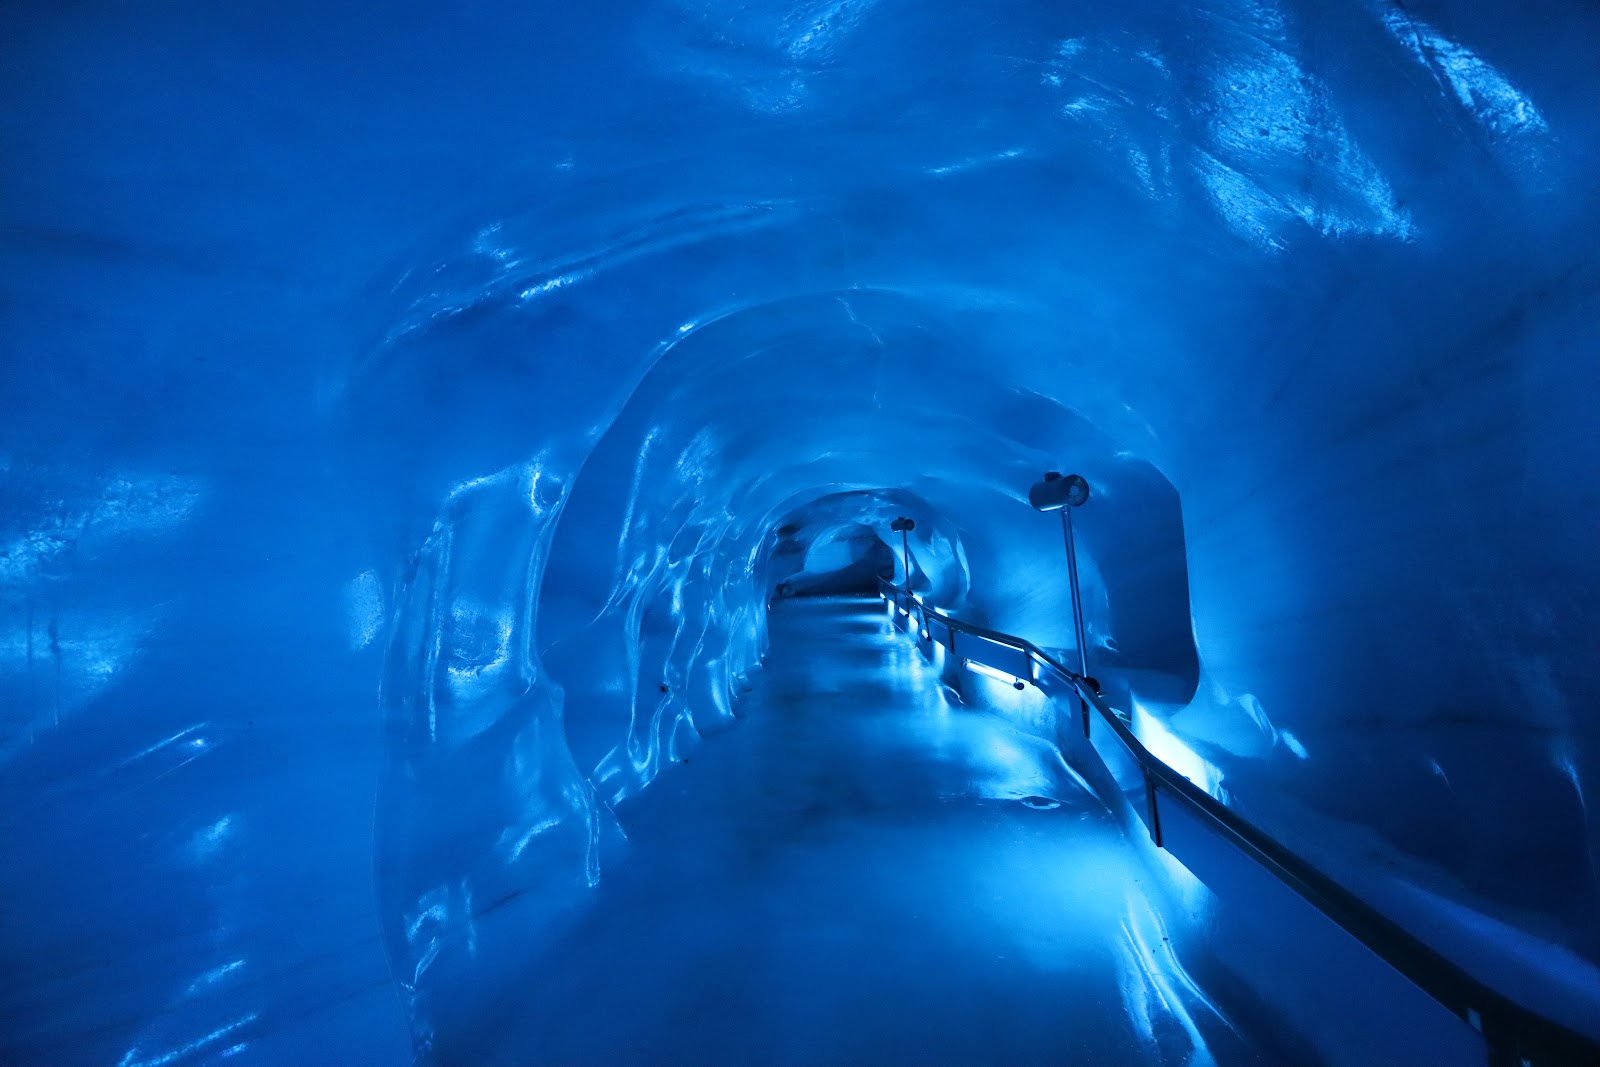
(525, 534)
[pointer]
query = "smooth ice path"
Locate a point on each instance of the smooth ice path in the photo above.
(850, 876)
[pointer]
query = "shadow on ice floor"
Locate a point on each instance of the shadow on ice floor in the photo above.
(851, 877)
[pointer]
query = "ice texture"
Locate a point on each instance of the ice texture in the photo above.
(408, 416)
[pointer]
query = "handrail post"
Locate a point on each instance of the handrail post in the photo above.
(1152, 811)
(1055, 493)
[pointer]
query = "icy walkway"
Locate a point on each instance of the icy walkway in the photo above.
(849, 877)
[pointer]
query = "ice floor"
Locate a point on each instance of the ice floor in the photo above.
(850, 876)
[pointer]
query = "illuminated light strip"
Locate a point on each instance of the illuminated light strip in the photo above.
(991, 672)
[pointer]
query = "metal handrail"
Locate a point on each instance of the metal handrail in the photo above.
(1513, 1033)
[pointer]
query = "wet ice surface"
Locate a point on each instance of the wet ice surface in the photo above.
(851, 876)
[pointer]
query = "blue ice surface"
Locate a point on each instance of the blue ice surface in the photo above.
(408, 415)
(868, 872)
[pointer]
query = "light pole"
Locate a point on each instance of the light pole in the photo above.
(903, 526)
(1056, 493)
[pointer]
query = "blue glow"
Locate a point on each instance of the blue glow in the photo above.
(1171, 750)
(422, 429)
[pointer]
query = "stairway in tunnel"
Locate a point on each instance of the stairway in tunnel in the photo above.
(867, 872)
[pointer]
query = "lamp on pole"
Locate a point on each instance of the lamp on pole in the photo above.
(903, 526)
(1057, 493)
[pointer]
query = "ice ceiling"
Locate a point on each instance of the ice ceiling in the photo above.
(402, 402)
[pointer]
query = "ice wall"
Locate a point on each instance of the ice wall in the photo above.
(397, 404)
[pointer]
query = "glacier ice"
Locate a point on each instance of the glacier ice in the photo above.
(407, 419)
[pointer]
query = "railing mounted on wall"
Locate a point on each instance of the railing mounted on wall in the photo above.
(1186, 820)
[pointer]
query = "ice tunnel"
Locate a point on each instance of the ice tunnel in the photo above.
(452, 608)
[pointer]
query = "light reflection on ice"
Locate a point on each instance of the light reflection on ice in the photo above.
(976, 162)
(481, 646)
(1169, 749)
(1531, 965)
(1280, 151)
(135, 1057)
(1292, 743)
(1477, 86)
(1271, 149)
(363, 603)
(213, 976)
(62, 661)
(207, 843)
(128, 506)
(1153, 976)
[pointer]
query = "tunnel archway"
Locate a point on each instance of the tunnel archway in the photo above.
(658, 625)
